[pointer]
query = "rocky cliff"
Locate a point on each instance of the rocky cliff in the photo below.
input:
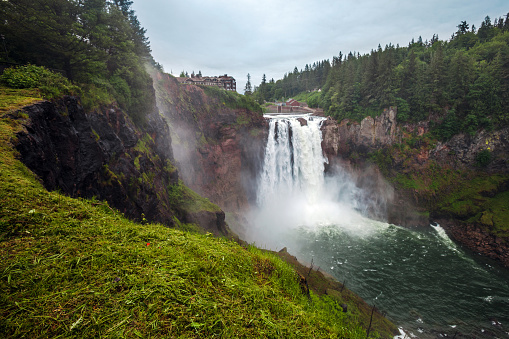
(463, 182)
(218, 143)
(370, 134)
(102, 154)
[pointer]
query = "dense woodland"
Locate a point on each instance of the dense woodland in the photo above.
(98, 44)
(462, 82)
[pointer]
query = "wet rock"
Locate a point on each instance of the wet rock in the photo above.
(220, 150)
(303, 122)
(213, 222)
(370, 134)
(477, 240)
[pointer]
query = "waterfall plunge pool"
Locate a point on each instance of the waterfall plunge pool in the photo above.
(424, 282)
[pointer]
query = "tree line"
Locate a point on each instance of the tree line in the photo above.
(99, 44)
(310, 78)
(462, 82)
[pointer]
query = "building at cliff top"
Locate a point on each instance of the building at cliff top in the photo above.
(293, 102)
(223, 81)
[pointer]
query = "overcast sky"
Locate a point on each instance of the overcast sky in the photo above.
(271, 37)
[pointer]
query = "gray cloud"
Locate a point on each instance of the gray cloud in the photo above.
(274, 36)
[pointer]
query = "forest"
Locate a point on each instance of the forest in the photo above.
(99, 45)
(460, 84)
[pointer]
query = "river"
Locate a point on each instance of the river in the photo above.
(423, 281)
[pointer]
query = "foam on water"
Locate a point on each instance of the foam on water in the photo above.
(420, 277)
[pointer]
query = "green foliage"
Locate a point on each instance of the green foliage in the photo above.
(450, 126)
(313, 99)
(121, 90)
(403, 109)
(232, 99)
(12, 99)
(51, 84)
(95, 95)
(383, 159)
(467, 75)
(176, 193)
(481, 199)
(23, 77)
(76, 268)
(496, 214)
(483, 158)
(98, 44)
(192, 201)
(311, 78)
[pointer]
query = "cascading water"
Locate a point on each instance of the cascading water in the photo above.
(294, 161)
(424, 282)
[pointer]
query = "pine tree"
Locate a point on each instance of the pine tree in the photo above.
(248, 90)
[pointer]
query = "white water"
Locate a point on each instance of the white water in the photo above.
(293, 191)
(294, 161)
(426, 283)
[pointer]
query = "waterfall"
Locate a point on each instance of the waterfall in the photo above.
(329, 219)
(293, 191)
(294, 161)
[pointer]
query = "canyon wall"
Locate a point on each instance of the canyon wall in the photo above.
(449, 181)
(218, 147)
(102, 154)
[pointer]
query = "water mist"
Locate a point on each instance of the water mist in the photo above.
(427, 284)
(293, 191)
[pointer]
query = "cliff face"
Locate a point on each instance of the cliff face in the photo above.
(462, 150)
(348, 144)
(370, 134)
(219, 149)
(103, 154)
(446, 181)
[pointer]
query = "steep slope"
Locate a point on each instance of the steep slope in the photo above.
(76, 268)
(218, 141)
(461, 183)
(102, 154)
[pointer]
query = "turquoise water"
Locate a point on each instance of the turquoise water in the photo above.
(422, 280)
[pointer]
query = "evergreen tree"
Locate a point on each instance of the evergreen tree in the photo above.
(99, 43)
(248, 89)
(464, 81)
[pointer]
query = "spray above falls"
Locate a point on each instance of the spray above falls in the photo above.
(293, 190)
(323, 217)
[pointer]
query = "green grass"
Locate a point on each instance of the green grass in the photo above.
(193, 202)
(13, 99)
(77, 268)
(497, 212)
(471, 196)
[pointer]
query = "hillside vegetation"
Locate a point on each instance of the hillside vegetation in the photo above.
(77, 268)
(463, 82)
(99, 45)
(450, 159)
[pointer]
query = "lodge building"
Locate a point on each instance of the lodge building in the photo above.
(223, 81)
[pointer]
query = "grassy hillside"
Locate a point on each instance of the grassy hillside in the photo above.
(77, 268)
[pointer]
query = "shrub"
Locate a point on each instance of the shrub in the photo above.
(50, 84)
(483, 158)
(22, 77)
(448, 128)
